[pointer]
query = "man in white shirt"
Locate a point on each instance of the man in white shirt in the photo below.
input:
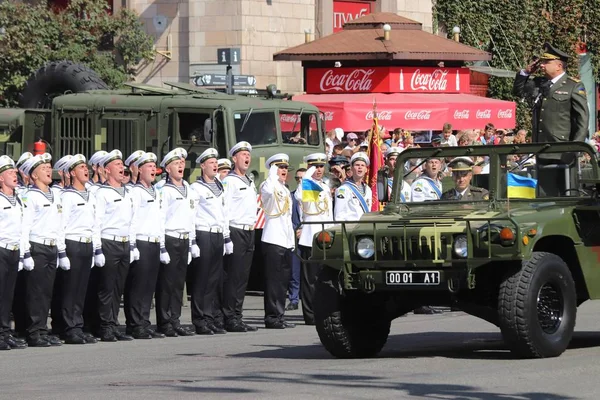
(354, 198)
(428, 185)
(391, 155)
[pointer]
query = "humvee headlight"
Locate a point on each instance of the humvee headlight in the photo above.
(460, 246)
(365, 247)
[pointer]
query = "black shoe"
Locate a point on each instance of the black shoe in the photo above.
(426, 310)
(4, 345)
(204, 330)
(248, 327)
(170, 332)
(74, 339)
(108, 337)
(88, 337)
(181, 331)
(288, 325)
(141, 334)
(38, 342)
(15, 343)
(53, 340)
(154, 334)
(275, 325)
(216, 329)
(235, 327)
(291, 307)
(122, 336)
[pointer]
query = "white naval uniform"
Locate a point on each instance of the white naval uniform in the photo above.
(11, 219)
(178, 211)
(147, 222)
(94, 187)
(277, 204)
(211, 213)
(241, 200)
(405, 192)
(57, 190)
(348, 207)
(424, 188)
(113, 215)
(314, 212)
(42, 222)
(79, 215)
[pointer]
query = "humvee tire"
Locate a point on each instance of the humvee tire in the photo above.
(537, 307)
(348, 326)
(55, 78)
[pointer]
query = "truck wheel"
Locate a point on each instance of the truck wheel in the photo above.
(537, 307)
(56, 78)
(348, 326)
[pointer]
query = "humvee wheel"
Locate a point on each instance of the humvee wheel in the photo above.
(349, 326)
(537, 306)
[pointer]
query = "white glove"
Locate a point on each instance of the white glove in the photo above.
(164, 256)
(134, 254)
(28, 263)
(189, 257)
(20, 265)
(273, 172)
(310, 172)
(99, 259)
(228, 247)
(63, 261)
(195, 250)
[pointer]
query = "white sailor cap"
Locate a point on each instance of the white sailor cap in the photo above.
(207, 154)
(61, 165)
(24, 157)
(360, 156)
(110, 157)
(96, 158)
(173, 155)
(32, 163)
(134, 157)
(145, 159)
(278, 159)
(224, 163)
(6, 163)
(74, 161)
(240, 146)
(316, 159)
(393, 151)
(47, 157)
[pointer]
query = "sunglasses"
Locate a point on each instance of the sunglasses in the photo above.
(283, 167)
(297, 178)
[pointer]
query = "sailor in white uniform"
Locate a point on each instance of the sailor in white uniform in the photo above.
(158, 185)
(278, 239)
(316, 205)
(391, 155)
(150, 242)
(42, 224)
(212, 236)
(354, 197)
(130, 163)
(114, 211)
(22, 177)
(178, 204)
(11, 239)
(428, 186)
(98, 176)
(224, 167)
(241, 200)
(78, 219)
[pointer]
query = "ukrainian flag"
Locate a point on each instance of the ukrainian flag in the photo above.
(521, 187)
(310, 190)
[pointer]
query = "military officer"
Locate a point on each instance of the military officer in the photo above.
(212, 236)
(241, 200)
(130, 163)
(150, 242)
(178, 211)
(560, 112)
(391, 155)
(462, 173)
(11, 220)
(42, 224)
(354, 197)
(78, 224)
(428, 185)
(224, 167)
(315, 202)
(114, 212)
(278, 240)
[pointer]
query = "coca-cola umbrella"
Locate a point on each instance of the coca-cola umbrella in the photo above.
(412, 111)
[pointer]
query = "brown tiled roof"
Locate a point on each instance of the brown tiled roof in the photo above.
(362, 39)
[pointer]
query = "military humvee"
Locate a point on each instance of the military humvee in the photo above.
(154, 119)
(522, 260)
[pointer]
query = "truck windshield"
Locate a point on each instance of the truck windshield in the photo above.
(259, 127)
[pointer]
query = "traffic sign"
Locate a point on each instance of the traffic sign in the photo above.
(221, 80)
(229, 56)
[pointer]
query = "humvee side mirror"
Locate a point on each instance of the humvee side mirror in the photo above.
(382, 185)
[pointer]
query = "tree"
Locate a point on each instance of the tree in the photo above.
(83, 32)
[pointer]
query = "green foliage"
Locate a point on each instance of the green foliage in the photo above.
(515, 30)
(84, 32)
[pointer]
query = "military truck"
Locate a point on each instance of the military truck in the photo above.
(522, 260)
(67, 106)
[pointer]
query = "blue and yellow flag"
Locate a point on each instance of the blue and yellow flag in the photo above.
(310, 190)
(521, 187)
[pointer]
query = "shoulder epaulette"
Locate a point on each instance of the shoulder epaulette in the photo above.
(575, 79)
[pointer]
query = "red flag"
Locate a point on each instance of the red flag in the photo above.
(375, 159)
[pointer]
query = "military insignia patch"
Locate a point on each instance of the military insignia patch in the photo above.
(581, 92)
(59, 208)
(418, 189)
(192, 204)
(340, 196)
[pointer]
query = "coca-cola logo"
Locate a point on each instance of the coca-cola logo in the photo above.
(435, 81)
(505, 114)
(483, 114)
(358, 80)
(381, 115)
(418, 115)
(461, 114)
(289, 118)
(328, 115)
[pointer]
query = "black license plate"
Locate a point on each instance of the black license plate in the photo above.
(412, 278)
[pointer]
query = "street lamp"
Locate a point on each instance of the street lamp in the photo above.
(456, 32)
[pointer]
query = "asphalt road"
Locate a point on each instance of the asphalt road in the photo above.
(447, 356)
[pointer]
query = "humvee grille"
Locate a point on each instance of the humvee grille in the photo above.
(414, 248)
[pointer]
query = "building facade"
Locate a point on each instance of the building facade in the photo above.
(188, 33)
